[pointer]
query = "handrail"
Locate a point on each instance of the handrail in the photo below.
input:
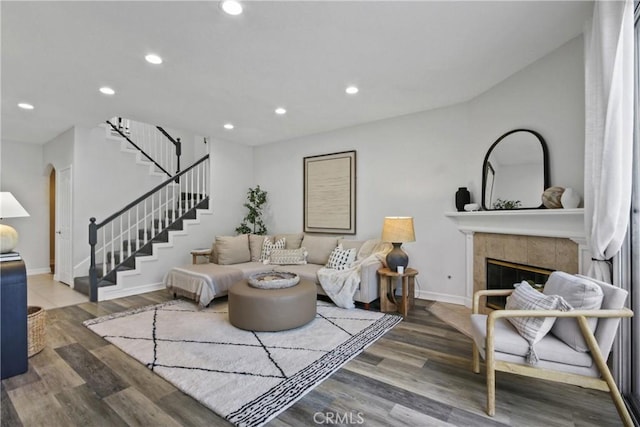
(137, 147)
(148, 193)
(176, 143)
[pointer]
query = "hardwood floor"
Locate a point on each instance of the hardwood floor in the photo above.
(418, 374)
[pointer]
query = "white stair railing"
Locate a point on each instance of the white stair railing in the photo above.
(153, 142)
(132, 229)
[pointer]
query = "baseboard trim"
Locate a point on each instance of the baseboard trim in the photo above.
(105, 294)
(435, 296)
(34, 271)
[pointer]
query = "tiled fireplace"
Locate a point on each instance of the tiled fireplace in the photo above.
(551, 239)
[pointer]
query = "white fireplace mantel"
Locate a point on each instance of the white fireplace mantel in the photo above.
(560, 223)
(567, 223)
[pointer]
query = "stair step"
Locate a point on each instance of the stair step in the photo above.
(83, 284)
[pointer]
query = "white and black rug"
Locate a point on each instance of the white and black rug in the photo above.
(246, 377)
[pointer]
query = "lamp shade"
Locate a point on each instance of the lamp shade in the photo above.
(398, 229)
(10, 207)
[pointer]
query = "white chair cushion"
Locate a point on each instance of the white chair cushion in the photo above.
(581, 294)
(507, 340)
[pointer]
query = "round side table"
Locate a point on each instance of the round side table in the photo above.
(387, 290)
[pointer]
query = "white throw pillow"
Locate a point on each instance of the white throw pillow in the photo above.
(287, 256)
(268, 245)
(582, 294)
(341, 259)
(533, 329)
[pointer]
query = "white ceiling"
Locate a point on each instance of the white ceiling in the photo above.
(404, 56)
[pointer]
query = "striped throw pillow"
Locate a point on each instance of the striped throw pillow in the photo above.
(533, 329)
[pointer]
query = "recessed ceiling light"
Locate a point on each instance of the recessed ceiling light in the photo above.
(154, 59)
(281, 111)
(107, 90)
(351, 90)
(232, 7)
(25, 106)
(228, 126)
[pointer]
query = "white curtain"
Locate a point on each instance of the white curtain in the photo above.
(609, 131)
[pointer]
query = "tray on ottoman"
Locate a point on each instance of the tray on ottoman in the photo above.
(273, 280)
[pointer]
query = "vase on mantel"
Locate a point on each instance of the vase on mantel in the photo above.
(463, 197)
(570, 198)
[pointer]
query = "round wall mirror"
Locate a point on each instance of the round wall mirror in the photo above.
(515, 171)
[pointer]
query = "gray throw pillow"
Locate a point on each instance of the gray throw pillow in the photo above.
(582, 294)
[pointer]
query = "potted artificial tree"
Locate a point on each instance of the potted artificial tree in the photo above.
(252, 222)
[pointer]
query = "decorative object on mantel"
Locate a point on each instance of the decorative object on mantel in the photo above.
(570, 198)
(397, 230)
(9, 208)
(471, 207)
(506, 204)
(463, 197)
(551, 197)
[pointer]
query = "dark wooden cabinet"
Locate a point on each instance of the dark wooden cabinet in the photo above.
(13, 319)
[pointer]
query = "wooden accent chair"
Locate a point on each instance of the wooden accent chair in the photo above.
(504, 349)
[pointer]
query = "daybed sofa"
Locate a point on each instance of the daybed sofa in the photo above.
(233, 258)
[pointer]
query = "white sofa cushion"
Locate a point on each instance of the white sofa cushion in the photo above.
(319, 248)
(582, 294)
(233, 249)
(293, 240)
(255, 246)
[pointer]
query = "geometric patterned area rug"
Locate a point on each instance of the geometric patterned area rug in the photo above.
(246, 377)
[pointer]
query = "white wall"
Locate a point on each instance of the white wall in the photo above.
(412, 165)
(23, 174)
(231, 177)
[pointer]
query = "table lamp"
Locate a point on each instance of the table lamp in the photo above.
(397, 230)
(9, 208)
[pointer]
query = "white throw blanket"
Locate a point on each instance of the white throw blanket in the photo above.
(341, 285)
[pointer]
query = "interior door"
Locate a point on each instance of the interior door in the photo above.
(64, 268)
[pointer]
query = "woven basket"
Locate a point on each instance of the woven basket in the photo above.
(36, 318)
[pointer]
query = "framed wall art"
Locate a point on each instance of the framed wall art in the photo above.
(330, 193)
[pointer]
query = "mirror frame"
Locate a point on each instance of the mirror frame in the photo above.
(545, 166)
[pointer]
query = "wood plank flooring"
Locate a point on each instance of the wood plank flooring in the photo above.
(418, 374)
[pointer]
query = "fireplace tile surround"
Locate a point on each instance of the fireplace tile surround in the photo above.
(546, 238)
(554, 253)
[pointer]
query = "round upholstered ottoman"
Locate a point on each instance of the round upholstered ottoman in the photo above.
(272, 310)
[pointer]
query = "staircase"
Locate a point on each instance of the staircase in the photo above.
(149, 229)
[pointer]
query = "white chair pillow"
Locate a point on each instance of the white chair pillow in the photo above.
(533, 329)
(582, 294)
